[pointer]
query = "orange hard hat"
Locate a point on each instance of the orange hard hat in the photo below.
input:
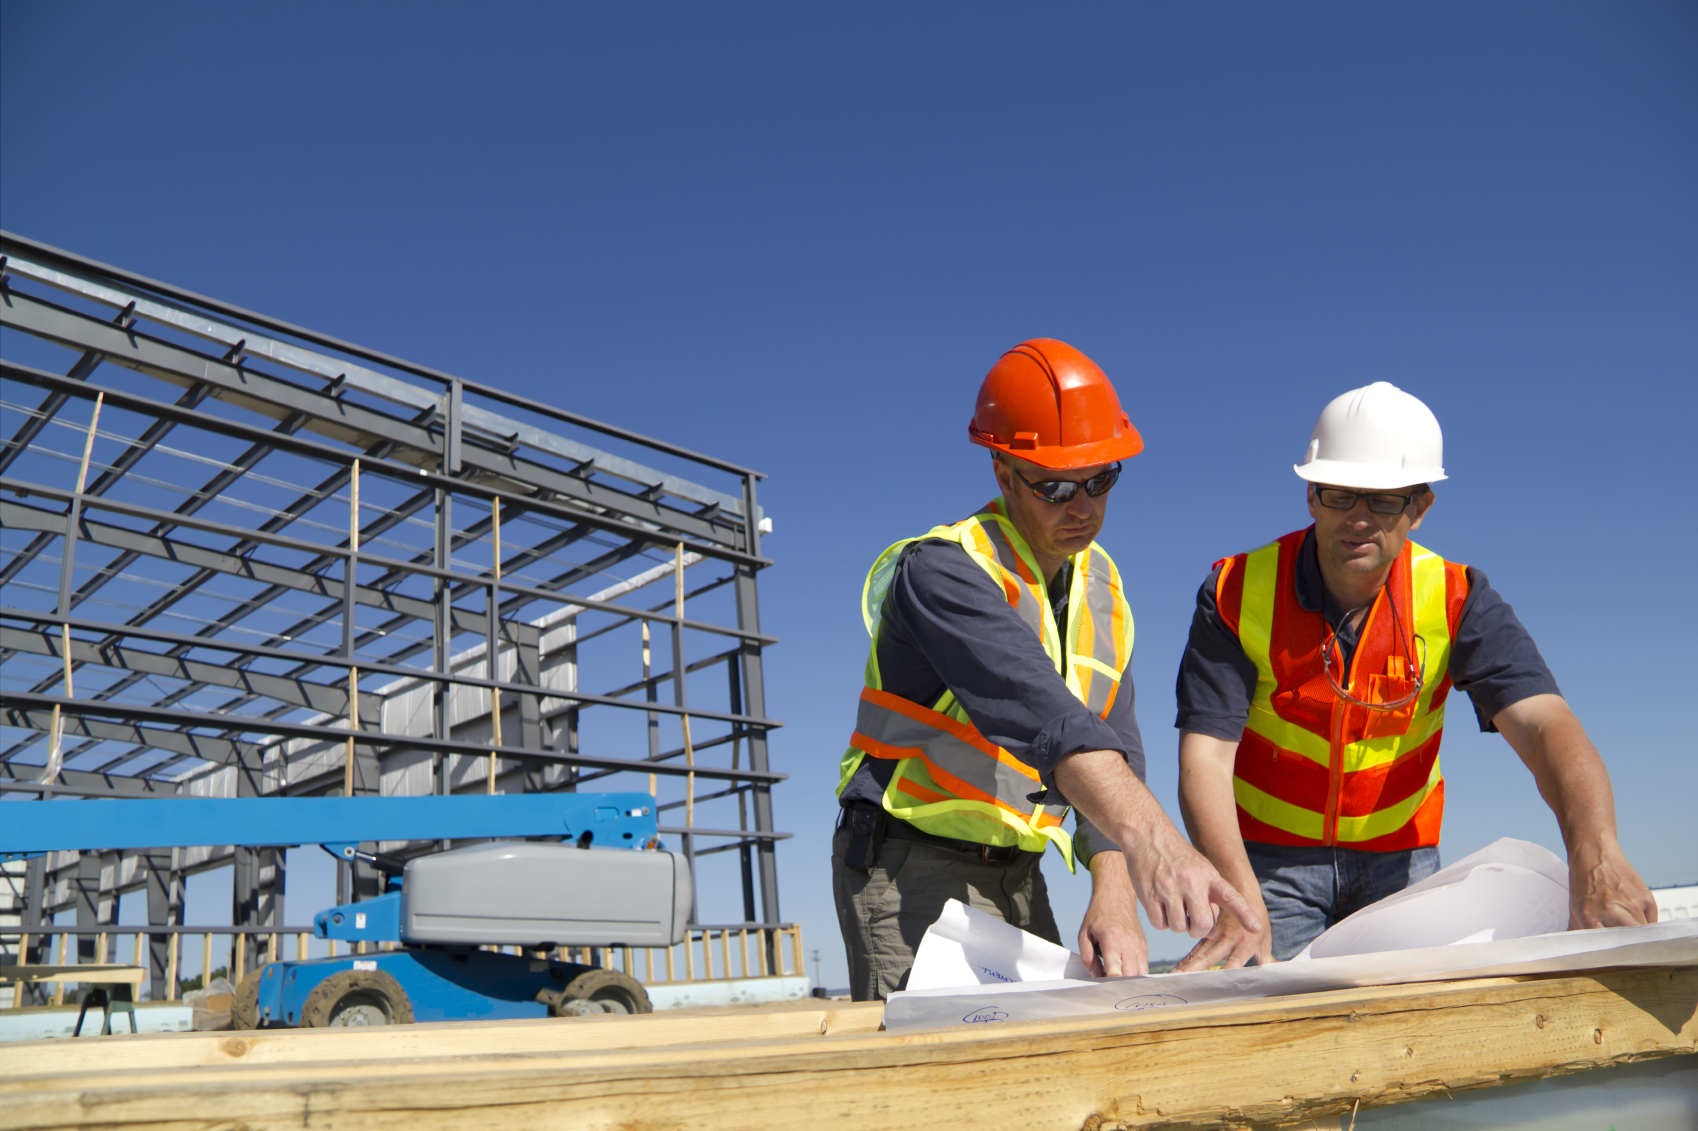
(1046, 402)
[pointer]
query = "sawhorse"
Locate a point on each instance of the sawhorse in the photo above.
(111, 987)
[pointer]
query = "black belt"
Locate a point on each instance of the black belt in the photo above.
(895, 828)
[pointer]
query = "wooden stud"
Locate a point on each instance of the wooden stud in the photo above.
(205, 959)
(59, 990)
(684, 720)
(670, 977)
(238, 958)
(172, 946)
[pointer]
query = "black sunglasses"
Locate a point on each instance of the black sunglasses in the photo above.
(1338, 499)
(1063, 490)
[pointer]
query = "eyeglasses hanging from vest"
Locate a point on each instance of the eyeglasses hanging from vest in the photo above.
(1416, 668)
(1063, 490)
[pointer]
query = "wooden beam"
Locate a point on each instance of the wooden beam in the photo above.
(442, 1038)
(104, 973)
(1232, 1065)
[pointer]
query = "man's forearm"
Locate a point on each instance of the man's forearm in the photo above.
(1568, 769)
(1603, 888)
(1099, 784)
(1207, 805)
(1178, 886)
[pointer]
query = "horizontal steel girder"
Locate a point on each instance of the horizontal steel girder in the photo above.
(247, 724)
(329, 415)
(330, 700)
(206, 747)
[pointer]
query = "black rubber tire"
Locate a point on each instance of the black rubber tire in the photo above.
(244, 1003)
(356, 997)
(597, 992)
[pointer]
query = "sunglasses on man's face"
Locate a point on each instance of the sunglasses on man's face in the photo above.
(1063, 490)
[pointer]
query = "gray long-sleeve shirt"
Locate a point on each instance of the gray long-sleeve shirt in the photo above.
(948, 625)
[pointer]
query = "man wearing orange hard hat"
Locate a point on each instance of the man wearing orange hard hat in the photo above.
(1312, 701)
(999, 693)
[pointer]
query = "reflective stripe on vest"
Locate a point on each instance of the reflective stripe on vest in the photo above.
(1311, 768)
(949, 779)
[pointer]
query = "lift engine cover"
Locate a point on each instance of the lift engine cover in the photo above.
(517, 893)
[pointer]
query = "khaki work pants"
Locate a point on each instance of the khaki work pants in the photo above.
(884, 914)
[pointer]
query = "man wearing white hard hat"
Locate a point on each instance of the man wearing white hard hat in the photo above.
(1312, 699)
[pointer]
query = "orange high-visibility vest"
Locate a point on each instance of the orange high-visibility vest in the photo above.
(949, 779)
(1313, 769)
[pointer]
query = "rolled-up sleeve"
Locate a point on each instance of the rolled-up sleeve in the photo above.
(1088, 840)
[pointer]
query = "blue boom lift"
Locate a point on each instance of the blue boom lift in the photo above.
(597, 876)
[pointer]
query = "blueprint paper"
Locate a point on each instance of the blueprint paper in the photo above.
(1481, 917)
(1508, 890)
(967, 947)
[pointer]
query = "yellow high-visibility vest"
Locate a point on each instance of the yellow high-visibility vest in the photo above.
(949, 779)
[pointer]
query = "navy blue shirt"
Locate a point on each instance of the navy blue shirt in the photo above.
(1492, 657)
(947, 625)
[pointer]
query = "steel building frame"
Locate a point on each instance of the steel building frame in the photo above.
(241, 559)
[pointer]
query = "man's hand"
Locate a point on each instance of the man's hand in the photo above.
(1111, 940)
(1605, 891)
(1211, 817)
(1231, 944)
(1180, 889)
(1603, 888)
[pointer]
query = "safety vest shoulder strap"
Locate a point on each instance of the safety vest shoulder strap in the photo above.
(990, 539)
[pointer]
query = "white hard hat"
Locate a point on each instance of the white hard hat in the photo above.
(1373, 439)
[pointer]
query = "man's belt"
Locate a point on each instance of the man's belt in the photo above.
(898, 829)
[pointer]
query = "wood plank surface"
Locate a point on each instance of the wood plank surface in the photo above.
(444, 1038)
(1226, 1066)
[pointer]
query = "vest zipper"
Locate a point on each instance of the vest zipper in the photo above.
(1335, 775)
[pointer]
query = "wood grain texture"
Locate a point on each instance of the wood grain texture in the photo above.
(1226, 1066)
(449, 1038)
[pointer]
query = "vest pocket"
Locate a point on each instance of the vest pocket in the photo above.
(1388, 689)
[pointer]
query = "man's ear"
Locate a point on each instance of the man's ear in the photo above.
(1309, 498)
(1422, 505)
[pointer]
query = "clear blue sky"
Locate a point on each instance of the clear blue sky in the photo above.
(796, 236)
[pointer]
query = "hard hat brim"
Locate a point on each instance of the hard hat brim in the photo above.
(1061, 458)
(1365, 476)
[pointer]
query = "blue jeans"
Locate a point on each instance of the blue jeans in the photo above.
(1307, 890)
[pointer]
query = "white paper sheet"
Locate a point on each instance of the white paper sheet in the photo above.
(967, 947)
(1510, 889)
(1489, 914)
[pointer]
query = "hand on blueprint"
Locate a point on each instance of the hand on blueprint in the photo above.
(1180, 889)
(1605, 891)
(1177, 885)
(1111, 940)
(1231, 944)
